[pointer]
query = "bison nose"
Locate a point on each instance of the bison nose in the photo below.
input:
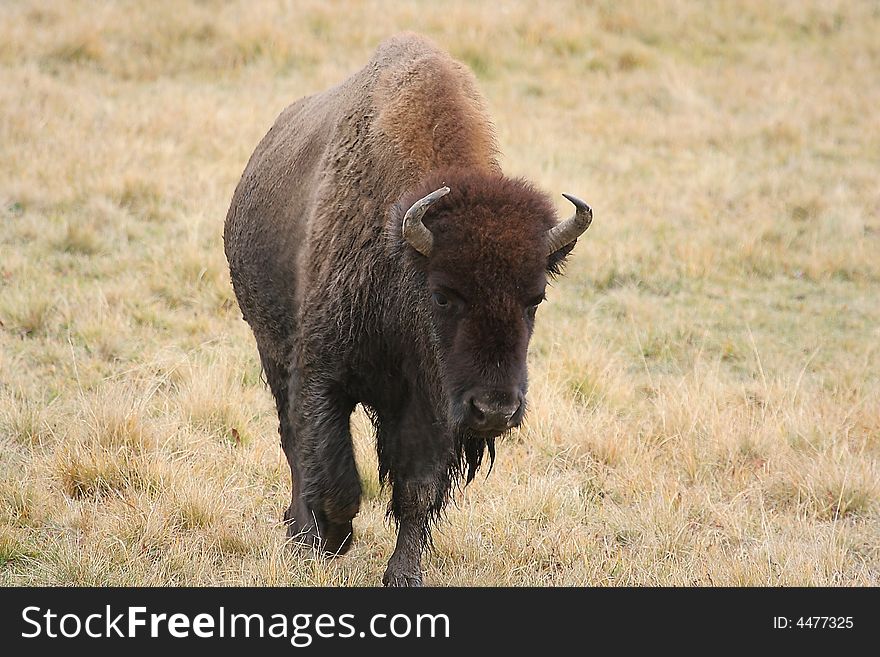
(492, 411)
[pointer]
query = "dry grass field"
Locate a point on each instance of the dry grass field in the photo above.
(705, 380)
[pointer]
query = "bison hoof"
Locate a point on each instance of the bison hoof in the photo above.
(334, 539)
(398, 578)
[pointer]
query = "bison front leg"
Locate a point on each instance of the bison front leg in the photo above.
(416, 459)
(326, 489)
(412, 505)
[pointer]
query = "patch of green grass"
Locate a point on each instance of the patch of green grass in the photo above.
(13, 549)
(477, 60)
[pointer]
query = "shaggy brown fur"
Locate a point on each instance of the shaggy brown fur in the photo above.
(344, 311)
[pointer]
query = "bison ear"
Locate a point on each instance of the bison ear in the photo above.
(556, 260)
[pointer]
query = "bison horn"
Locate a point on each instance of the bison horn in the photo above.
(570, 229)
(414, 231)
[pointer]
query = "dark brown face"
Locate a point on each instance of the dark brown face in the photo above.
(483, 332)
(486, 276)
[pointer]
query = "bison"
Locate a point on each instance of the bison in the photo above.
(381, 257)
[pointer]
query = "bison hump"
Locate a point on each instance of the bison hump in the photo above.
(428, 109)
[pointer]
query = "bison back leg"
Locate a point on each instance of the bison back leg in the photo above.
(326, 485)
(278, 379)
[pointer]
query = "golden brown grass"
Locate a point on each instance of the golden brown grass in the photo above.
(705, 397)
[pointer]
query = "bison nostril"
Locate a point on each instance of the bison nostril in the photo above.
(508, 412)
(478, 410)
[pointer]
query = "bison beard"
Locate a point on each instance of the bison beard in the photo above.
(366, 281)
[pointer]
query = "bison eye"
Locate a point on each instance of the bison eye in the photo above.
(440, 300)
(532, 308)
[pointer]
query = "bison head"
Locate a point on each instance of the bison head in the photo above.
(487, 245)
